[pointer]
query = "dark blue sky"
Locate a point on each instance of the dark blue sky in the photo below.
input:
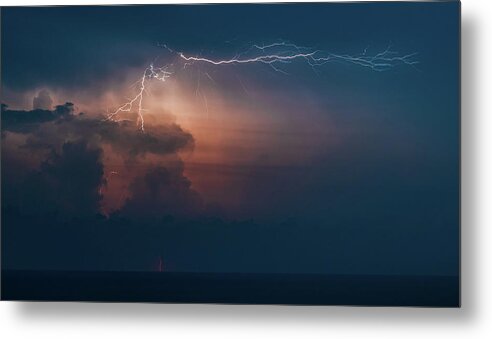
(385, 200)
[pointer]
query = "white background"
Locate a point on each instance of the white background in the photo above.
(473, 320)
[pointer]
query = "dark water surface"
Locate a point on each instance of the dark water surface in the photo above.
(436, 291)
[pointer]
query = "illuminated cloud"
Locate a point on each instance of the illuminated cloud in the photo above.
(69, 144)
(42, 100)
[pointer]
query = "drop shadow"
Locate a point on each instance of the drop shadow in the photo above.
(109, 312)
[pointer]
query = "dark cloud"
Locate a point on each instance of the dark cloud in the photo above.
(66, 184)
(163, 191)
(53, 128)
(69, 148)
(21, 121)
(159, 139)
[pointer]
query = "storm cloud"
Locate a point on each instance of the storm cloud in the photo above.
(21, 121)
(42, 100)
(76, 194)
(54, 127)
(54, 180)
(71, 147)
(162, 191)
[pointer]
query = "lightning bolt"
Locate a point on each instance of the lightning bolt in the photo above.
(274, 55)
(283, 53)
(151, 72)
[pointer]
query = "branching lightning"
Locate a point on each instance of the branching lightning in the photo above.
(276, 55)
(284, 53)
(151, 72)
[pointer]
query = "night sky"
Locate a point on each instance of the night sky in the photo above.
(340, 169)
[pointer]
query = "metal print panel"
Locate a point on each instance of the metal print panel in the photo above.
(253, 153)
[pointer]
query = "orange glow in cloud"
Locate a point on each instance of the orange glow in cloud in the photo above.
(236, 131)
(234, 135)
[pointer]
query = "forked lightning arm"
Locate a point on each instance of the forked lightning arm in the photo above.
(273, 55)
(151, 72)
